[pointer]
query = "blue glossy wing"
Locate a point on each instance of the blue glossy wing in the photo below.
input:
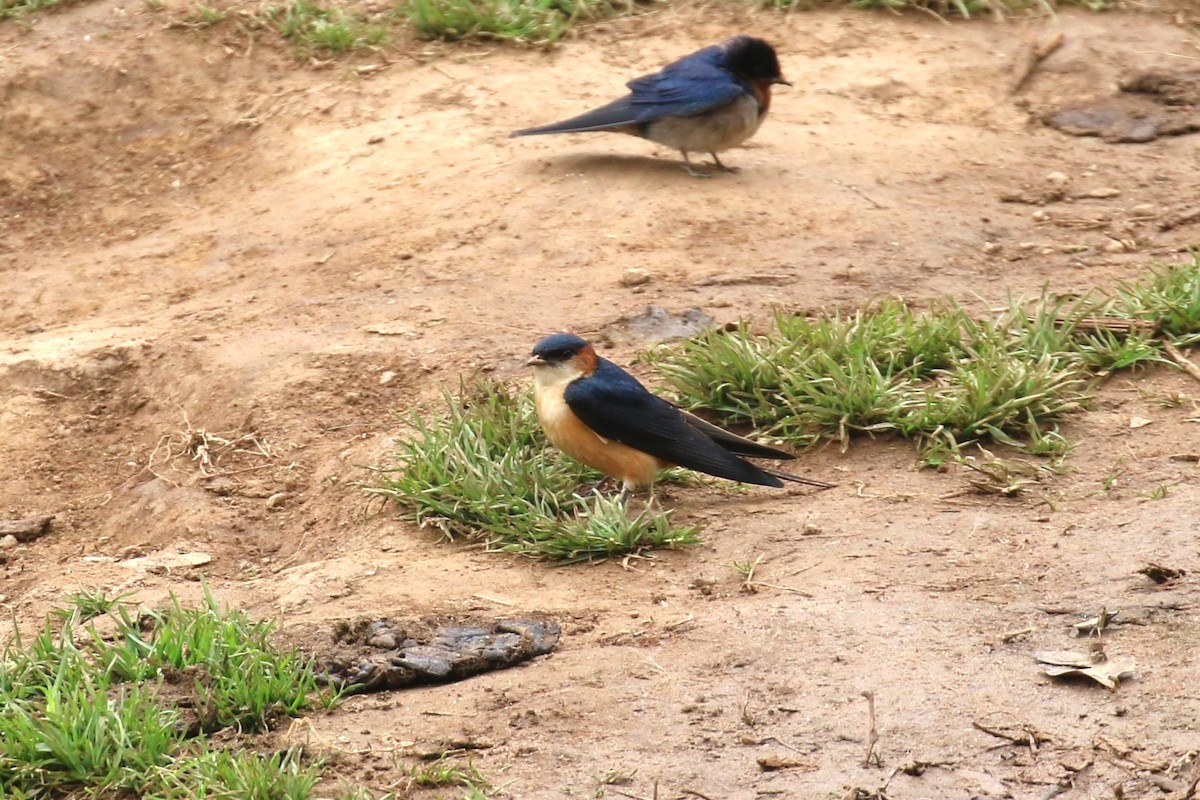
(613, 404)
(689, 86)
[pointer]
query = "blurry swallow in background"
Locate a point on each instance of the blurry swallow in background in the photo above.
(707, 102)
(599, 414)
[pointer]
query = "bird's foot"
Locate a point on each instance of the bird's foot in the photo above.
(695, 173)
(717, 163)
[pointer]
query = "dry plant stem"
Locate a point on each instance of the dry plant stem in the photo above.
(1182, 219)
(1029, 735)
(1034, 55)
(872, 734)
(1179, 358)
(1008, 637)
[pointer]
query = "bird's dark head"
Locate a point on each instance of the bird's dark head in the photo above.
(564, 352)
(753, 59)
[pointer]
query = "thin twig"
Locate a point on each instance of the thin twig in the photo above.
(873, 733)
(779, 588)
(1008, 637)
(1180, 359)
(1035, 54)
(1029, 735)
(861, 194)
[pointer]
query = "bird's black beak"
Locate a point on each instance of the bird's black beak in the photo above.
(783, 80)
(535, 361)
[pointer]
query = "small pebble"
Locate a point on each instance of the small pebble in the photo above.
(1144, 210)
(8, 542)
(1058, 178)
(1103, 193)
(990, 247)
(384, 641)
(634, 277)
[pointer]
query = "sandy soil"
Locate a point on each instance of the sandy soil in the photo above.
(223, 272)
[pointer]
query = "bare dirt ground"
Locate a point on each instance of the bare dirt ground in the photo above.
(222, 272)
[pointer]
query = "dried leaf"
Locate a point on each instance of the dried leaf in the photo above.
(1066, 658)
(1107, 674)
(1095, 624)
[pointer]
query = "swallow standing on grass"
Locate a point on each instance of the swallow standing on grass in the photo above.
(707, 102)
(599, 414)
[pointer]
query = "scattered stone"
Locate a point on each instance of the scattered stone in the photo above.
(393, 328)
(990, 248)
(1182, 218)
(383, 641)
(382, 654)
(162, 562)
(634, 277)
(656, 324)
(220, 485)
(8, 542)
(1160, 573)
(1143, 210)
(1170, 88)
(132, 551)
(1102, 193)
(1059, 179)
(1149, 105)
(775, 762)
(26, 529)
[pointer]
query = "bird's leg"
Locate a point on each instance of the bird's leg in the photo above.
(623, 497)
(596, 488)
(721, 166)
(695, 173)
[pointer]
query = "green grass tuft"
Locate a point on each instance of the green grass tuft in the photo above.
(240, 774)
(945, 8)
(330, 29)
(238, 677)
(88, 604)
(935, 375)
(1169, 297)
(17, 9)
(528, 21)
(445, 773)
(485, 472)
(83, 715)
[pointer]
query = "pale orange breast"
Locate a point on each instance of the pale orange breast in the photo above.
(568, 433)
